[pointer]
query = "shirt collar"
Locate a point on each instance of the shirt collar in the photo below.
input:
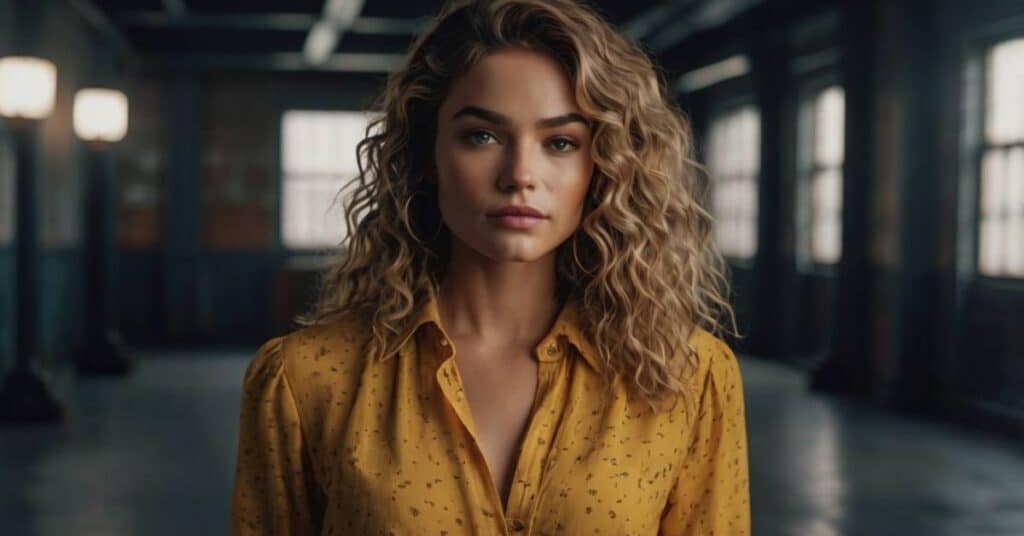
(567, 326)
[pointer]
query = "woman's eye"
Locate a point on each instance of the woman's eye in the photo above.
(563, 145)
(478, 137)
(482, 137)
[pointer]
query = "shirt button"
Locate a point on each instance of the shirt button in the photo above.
(516, 525)
(444, 341)
(552, 349)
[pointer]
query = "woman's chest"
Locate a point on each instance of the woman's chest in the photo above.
(500, 394)
(404, 462)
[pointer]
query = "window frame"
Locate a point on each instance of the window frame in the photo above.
(721, 107)
(973, 145)
(809, 88)
(310, 252)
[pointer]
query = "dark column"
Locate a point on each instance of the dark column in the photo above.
(915, 375)
(104, 352)
(25, 397)
(771, 265)
(183, 212)
(848, 367)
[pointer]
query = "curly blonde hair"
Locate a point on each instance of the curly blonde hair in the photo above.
(642, 266)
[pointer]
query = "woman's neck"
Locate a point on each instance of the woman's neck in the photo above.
(497, 302)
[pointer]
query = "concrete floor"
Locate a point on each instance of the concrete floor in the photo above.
(154, 453)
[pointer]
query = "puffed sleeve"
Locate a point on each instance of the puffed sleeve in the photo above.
(711, 494)
(275, 490)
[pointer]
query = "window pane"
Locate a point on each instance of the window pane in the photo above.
(714, 147)
(749, 240)
(993, 186)
(732, 147)
(749, 204)
(310, 219)
(826, 239)
(827, 192)
(750, 179)
(1015, 246)
(990, 246)
(751, 142)
(733, 233)
(1014, 182)
(1015, 212)
(826, 227)
(1005, 92)
(734, 154)
(828, 151)
(806, 118)
(318, 155)
(819, 240)
(1001, 197)
(321, 142)
(721, 196)
(821, 177)
(1001, 242)
(720, 234)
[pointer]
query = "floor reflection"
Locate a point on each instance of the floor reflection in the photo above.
(154, 454)
(828, 466)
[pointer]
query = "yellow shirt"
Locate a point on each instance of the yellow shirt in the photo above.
(334, 443)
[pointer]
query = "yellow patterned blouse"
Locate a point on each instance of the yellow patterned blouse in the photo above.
(331, 443)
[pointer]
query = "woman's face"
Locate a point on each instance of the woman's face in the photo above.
(510, 133)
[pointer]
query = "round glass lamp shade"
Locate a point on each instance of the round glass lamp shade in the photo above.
(27, 87)
(101, 115)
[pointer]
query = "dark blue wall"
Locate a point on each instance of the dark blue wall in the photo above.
(983, 347)
(217, 273)
(7, 325)
(904, 320)
(56, 31)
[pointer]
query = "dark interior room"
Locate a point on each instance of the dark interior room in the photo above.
(171, 178)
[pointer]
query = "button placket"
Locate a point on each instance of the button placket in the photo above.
(535, 448)
(449, 379)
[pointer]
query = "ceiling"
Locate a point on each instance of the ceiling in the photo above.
(270, 34)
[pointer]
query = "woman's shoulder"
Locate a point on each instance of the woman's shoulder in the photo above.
(332, 348)
(715, 359)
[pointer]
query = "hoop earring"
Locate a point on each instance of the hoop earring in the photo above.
(408, 222)
(576, 257)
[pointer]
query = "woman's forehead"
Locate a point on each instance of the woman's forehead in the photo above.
(522, 85)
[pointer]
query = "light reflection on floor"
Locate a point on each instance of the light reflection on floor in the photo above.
(154, 454)
(827, 466)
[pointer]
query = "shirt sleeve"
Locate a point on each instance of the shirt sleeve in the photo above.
(275, 491)
(711, 494)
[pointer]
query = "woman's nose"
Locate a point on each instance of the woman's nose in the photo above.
(518, 172)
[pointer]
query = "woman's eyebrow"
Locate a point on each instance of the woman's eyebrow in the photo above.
(499, 119)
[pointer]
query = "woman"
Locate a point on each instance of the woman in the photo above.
(519, 337)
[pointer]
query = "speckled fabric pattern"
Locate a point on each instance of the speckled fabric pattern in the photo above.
(334, 443)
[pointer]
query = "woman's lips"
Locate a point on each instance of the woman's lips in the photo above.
(517, 221)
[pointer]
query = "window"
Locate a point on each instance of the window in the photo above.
(820, 147)
(1001, 210)
(734, 152)
(318, 155)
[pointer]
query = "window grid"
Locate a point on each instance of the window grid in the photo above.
(318, 156)
(819, 227)
(734, 148)
(1001, 200)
